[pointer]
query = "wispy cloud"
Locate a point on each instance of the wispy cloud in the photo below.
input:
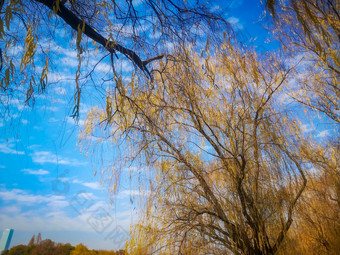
(235, 22)
(43, 157)
(60, 91)
(84, 108)
(2, 166)
(306, 128)
(10, 209)
(323, 134)
(54, 221)
(72, 121)
(8, 148)
(49, 108)
(22, 196)
(91, 185)
(24, 211)
(71, 229)
(52, 208)
(133, 193)
(58, 77)
(16, 103)
(136, 2)
(215, 8)
(35, 172)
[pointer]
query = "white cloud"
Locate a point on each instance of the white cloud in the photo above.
(87, 195)
(60, 101)
(49, 108)
(10, 209)
(133, 193)
(68, 61)
(135, 169)
(58, 77)
(125, 66)
(72, 121)
(215, 8)
(51, 215)
(48, 213)
(84, 108)
(15, 50)
(235, 22)
(323, 134)
(16, 103)
(51, 222)
(43, 157)
(136, 2)
(33, 146)
(35, 172)
(94, 139)
(155, 35)
(24, 122)
(73, 229)
(22, 196)
(103, 67)
(8, 148)
(91, 185)
(70, 53)
(53, 120)
(59, 91)
(306, 128)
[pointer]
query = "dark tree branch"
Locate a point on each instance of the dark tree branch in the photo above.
(74, 22)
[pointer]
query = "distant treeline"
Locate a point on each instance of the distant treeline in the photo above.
(36, 246)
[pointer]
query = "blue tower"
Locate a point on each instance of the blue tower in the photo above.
(6, 240)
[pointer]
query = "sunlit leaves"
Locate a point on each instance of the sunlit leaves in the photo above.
(29, 50)
(9, 72)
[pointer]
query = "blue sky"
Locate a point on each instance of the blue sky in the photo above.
(48, 185)
(48, 182)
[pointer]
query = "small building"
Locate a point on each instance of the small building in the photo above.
(6, 240)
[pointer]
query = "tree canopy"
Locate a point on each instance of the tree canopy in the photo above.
(37, 246)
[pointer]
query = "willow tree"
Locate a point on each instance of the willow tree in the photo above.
(139, 31)
(317, 227)
(225, 158)
(311, 28)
